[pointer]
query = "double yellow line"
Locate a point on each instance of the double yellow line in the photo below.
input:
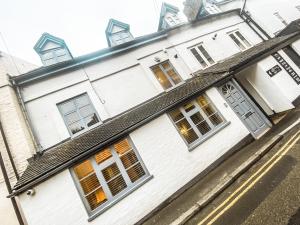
(234, 197)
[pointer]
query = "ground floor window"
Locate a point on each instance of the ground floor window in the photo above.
(109, 174)
(196, 119)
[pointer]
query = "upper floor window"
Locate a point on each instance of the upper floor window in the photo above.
(202, 56)
(78, 113)
(196, 119)
(173, 20)
(109, 174)
(298, 7)
(166, 75)
(121, 37)
(240, 40)
(212, 8)
(278, 16)
(53, 56)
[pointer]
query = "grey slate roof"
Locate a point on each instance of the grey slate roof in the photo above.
(66, 154)
(292, 27)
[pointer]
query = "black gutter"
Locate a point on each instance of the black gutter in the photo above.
(7, 182)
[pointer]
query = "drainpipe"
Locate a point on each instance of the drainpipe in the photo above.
(8, 151)
(249, 19)
(9, 189)
(37, 145)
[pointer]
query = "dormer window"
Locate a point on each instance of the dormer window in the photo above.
(52, 50)
(168, 17)
(117, 33)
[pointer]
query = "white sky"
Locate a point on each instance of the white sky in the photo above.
(80, 23)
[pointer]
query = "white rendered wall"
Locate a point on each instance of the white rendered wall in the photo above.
(279, 91)
(125, 80)
(165, 155)
(262, 11)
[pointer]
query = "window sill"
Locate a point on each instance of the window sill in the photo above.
(206, 137)
(85, 130)
(112, 203)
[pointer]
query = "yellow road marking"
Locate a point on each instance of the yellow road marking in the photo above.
(282, 150)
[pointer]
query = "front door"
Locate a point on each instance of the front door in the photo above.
(250, 115)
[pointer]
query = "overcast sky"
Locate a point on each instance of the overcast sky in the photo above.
(80, 23)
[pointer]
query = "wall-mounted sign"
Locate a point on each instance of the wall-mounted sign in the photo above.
(274, 70)
(287, 67)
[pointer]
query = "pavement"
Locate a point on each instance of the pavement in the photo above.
(190, 206)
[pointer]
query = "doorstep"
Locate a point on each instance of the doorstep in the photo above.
(192, 200)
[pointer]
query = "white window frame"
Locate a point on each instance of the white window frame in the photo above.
(111, 200)
(167, 75)
(212, 9)
(205, 59)
(186, 115)
(240, 40)
(86, 128)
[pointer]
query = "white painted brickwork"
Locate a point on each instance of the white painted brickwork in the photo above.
(16, 133)
(165, 155)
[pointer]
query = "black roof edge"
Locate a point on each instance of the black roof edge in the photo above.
(45, 71)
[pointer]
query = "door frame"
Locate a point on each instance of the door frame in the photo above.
(251, 102)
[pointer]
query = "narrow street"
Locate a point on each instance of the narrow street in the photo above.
(268, 194)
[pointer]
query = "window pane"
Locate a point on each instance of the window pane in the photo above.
(203, 127)
(166, 65)
(216, 119)
(174, 76)
(129, 159)
(190, 135)
(110, 171)
(206, 55)
(67, 107)
(103, 155)
(161, 77)
(176, 115)
(96, 198)
(135, 172)
(189, 106)
(91, 120)
(202, 101)
(209, 110)
(72, 117)
(86, 110)
(117, 185)
(199, 58)
(83, 169)
(241, 46)
(243, 39)
(122, 146)
(89, 183)
(197, 118)
(183, 125)
(187, 132)
(75, 127)
(82, 100)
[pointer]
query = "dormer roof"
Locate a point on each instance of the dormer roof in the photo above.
(116, 26)
(47, 41)
(113, 27)
(52, 49)
(165, 8)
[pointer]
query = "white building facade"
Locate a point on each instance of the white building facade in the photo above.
(117, 128)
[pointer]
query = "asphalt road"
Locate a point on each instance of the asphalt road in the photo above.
(268, 194)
